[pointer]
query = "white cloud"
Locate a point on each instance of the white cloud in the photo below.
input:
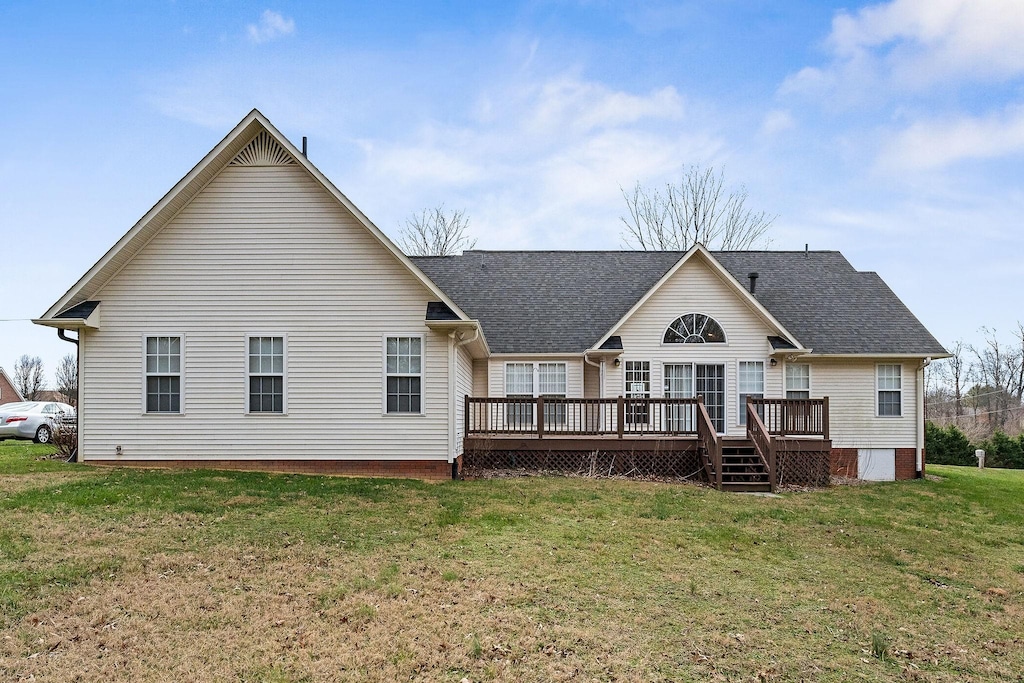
(937, 143)
(535, 155)
(777, 121)
(272, 25)
(918, 45)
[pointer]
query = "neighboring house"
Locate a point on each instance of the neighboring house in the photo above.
(255, 318)
(8, 392)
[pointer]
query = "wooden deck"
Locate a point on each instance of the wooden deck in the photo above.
(786, 439)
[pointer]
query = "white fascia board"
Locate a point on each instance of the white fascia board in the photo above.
(171, 195)
(92, 321)
(361, 217)
(480, 342)
(883, 356)
(539, 355)
(726, 276)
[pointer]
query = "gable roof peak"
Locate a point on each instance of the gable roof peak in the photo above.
(274, 148)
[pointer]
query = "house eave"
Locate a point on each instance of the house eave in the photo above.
(871, 355)
(479, 347)
(67, 323)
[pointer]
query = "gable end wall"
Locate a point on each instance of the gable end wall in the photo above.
(263, 250)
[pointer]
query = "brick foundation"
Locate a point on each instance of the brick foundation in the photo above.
(430, 470)
(906, 463)
(844, 462)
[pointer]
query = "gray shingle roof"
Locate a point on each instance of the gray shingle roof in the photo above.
(565, 301)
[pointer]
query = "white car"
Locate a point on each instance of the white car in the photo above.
(32, 419)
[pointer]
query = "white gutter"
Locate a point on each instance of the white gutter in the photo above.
(600, 374)
(453, 354)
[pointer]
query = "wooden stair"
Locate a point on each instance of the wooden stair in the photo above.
(742, 469)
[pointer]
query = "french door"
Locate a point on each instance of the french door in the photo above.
(687, 380)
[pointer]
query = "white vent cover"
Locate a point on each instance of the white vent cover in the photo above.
(263, 150)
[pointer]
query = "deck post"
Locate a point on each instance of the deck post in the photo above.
(824, 418)
(540, 417)
(620, 412)
(465, 416)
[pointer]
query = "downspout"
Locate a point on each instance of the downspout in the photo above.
(921, 414)
(62, 333)
(451, 397)
(600, 374)
(454, 347)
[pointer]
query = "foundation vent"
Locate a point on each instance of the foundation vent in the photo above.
(263, 150)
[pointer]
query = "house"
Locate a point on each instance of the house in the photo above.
(254, 318)
(8, 392)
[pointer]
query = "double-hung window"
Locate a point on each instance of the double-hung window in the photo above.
(404, 370)
(266, 375)
(519, 384)
(889, 384)
(163, 374)
(751, 383)
(638, 385)
(798, 380)
(551, 384)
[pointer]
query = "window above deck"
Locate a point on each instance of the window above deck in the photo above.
(694, 328)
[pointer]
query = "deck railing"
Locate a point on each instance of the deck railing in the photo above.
(546, 415)
(763, 442)
(711, 445)
(793, 416)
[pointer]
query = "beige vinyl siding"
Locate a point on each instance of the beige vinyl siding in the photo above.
(264, 250)
(850, 387)
(591, 381)
(695, 288)
(480, 378)
(463, 388)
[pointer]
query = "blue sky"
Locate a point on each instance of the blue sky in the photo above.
(892, 131)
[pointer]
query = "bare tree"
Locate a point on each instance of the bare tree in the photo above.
(696, 210)
(999, 374)
(436, 232)
(66, 378)
(956, 372)
(28, 376)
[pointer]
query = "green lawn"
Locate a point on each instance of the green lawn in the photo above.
(154, 575)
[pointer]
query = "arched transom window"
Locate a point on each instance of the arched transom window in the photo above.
(694, 328)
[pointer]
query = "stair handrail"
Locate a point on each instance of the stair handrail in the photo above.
(764, 443)
(710, 442)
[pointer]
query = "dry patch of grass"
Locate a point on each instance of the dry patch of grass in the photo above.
(212, 576)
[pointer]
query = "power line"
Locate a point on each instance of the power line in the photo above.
(969, 397)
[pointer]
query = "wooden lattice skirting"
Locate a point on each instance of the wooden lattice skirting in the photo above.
(803, 468)
(599, 463)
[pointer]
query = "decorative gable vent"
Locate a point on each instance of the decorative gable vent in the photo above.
(263, 150)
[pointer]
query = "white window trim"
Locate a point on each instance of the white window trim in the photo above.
(284, 375)
(741, 406)
(693, 369)
(676, 345)
(650, 377)
(384, 374)
(810, 380)
(181, 373)
(903, 407)
(535, 364)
